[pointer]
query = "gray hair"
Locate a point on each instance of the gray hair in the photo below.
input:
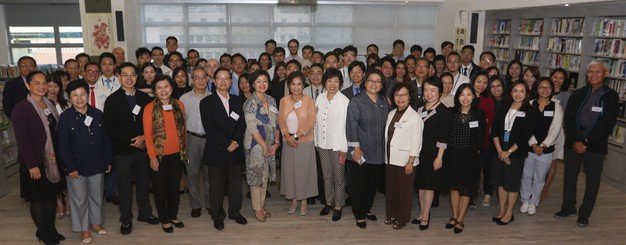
(600, 63)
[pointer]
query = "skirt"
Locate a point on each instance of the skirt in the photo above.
(298, 171)
(460, 165)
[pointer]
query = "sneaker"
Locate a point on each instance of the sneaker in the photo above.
(524, 208)
(486, 200)
(472, 205)
(582, 221)
(532, 209)
(564, 214)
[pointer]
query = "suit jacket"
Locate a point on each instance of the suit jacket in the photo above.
(30, 134)
(521, 131)
(119, 122)
(348, 92)
(221, 128)
(407, 138)
(475, 69)
(14, 91)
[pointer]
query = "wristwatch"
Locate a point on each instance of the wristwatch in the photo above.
(295, 136)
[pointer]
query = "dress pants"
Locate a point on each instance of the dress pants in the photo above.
(166, 184)
(486, 157)
(129, 167)
(364, 184)
(257, 193)
(86, 201)
(593, 163)
(220, 179)
(399, 197)
(43, 214)
(534, 177)
(197, 173)
(110, 182)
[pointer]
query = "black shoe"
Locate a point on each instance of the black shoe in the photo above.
(435, 203)
(126, 228)
(210, 210)
(564, 214)
(150, 220)
(248, 195)
(415, 221)
(495, 220)
(336, 214)
(325, 210)
(195, 212)
(180, 224)
(49, 242)
(500, 222)
(371, 217)
(240, 220)
(361, 225)
(112, 199)
(59, 237)
(218, 224)
(458, 228)
(424, 227)
(348, 202)
(472, 205)
(168, 229)
(582, 221)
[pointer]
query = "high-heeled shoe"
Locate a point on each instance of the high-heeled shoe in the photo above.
(168, 229)
(361, 225)
(458, 227)
(424, 227)
(59, 237)
(500, 222)
(259, 216)
(178, 224)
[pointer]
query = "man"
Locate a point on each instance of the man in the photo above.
(349, 56)
(416, 51)
(307, 52)
(372, 49)
(331, 60)
(293, 66)
(589, 119)
(143, 56)
(487, 60)
(293, 45)
(356, 76)
(316, 87)
(122, 121)
(270, 45)
(317, 57)
(453, 62)
(72, 67)
(446, 48)
(210, 68)
(421, 73)
(430, 54)
(120, 56)
(158, 58)
(175, 60)
(226, 61)
(398, 50)
(82, 59)
(192, 58)
(468, 67)
(224, 124)
(239, 67)
(279, 56)
(171, 43)
(196, 138)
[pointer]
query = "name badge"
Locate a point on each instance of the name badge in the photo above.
(273, 109)
(88, 120)
(234, 116)
(423, 114)
(596, 109)
(167, 107)
(137, 109)
(397, 125)
(507, 136)
(548, 113)
(47, 112)
(297, 104)
(520, 114)
(473, 124)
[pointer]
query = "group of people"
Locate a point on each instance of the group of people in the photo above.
(326, 125)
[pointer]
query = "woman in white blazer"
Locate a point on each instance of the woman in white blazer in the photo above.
(404, 143)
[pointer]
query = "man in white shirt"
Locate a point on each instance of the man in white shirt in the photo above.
(158, 57)
(293, 46)
(453, 62)
(107, 82)
(349, 56)
(468, 67)
(279, 56)
(316, 87)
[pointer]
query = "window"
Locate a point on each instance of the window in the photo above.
(47, 44)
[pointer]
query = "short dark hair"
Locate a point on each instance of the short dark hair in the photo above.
(23, 58)
(81, 55)
(398, 41)
(416, 48)
(238, 55)
(318, 65)
(296, 62)
(373, 45)
(396, 88)
(270, 41)
(141, 51)
(430, 50)
(410, 57)
(92, 63)
(171, 38)
(256, 74)
(31, 74)
(227, 55)
(459, 91)
(470, 47)
(124, 65)
(106, 55)
(191, 51)
(493, 56)
(446, 43)
(308, 47)
(279, 50)
(294, 75)
(350, 48)
(330, 73)
(177, 54)
(435, 81)
(355, 64)
(69, 61)
(294, 40)
(159, 78)
(439, 57)
(230, 76)
(389, 59)
(380, 74)
(453, 53)
(338, 51)
(156, 48)
(76, 84)
(331, 54)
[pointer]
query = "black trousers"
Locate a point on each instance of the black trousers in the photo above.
(593, 163)
(166, 184)
(221, 180)
(364, 183)
(321, 196)
(43, 214)
(133, 166)
(486, 157)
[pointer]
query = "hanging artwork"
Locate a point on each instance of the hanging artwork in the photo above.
(100, 34)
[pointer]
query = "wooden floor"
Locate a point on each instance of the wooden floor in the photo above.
(607, 225)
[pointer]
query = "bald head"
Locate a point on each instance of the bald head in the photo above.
(120, 57)
(211, 67)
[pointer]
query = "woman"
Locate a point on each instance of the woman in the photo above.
(296, 118)
(466, 139)
(280, 74)
(493, 71)
(448, 82)
(181, 80)
(513, 73)
(437, 118)
(403, 145)
(86, 153)
(164, 132)
(245, 91)
(261, 141)
(265, 61)
(330, 140)
(34, 124)
(148, 73)
(547, 128)
(401, 72)
(511, 131)
(485, 103)
(496, 89)
(531, 77)
(254, 66)
(57, 98)
(372, 60)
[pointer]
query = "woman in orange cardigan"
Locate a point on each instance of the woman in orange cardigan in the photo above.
(164, 131)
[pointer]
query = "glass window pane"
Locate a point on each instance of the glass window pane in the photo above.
(211, 53)
(163, 13)
(250, 35)
(333, 35)
(31, 34)
(71, 34)
(248, 53)
(207, 35)
(416, 15)
(41, 55)
(250, 13)
(158, 34)
(382, 15)
(333, 14)
(284, 34)
(70, 53)
(207, 13)
(292, 14)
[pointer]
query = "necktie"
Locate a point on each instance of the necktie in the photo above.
(358, 90)
(317, 92)
(107, 82)
(92, 97)
(465, 71)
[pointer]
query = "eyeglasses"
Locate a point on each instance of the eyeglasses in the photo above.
(199, 77)
(401, 95)
(375, 81)
(452, 62)
(92, 72)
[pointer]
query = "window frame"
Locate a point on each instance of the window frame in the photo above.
(57, 45)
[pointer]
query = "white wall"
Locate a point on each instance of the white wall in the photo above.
(4, 42)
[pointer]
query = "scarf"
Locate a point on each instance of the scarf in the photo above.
(49, 161)
(158, 127)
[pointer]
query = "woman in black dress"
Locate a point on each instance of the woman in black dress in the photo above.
(437, 118)
(467, 134)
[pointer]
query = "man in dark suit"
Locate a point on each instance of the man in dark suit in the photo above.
(468, 67)
(356, 70)
(224, 124)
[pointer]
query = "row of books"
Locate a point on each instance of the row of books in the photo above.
(501, 54)
(565, 61)
(11, 71)
(528, 57)
(619, 86)
(573, 27)
(531, 27)
(565, 45)
(501, 27)
(617, 68)
(610, 47)
(529, 42)
(609, 28)
(499, 41)
(10, 154)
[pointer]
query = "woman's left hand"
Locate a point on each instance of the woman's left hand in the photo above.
(108, 169)
(273, 149)
(437, 163)
(342, 157)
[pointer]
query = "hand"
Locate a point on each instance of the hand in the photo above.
(266, 150)
(291, 141)
(579, 147)
(138, 142)
(154, 164)
(538, 150)
(504, 155)
(408, 169)
(108, 169)
(342, 157)
(74, 175)
(273, 149)
(357, 154)
(437, 163)
(507, 161)
(35, 173)
(232, 147)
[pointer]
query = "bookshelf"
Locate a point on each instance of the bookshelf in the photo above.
(528, 48)
(500, 42)
(609, 45)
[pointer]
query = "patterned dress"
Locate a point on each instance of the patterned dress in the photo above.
(262, 121)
